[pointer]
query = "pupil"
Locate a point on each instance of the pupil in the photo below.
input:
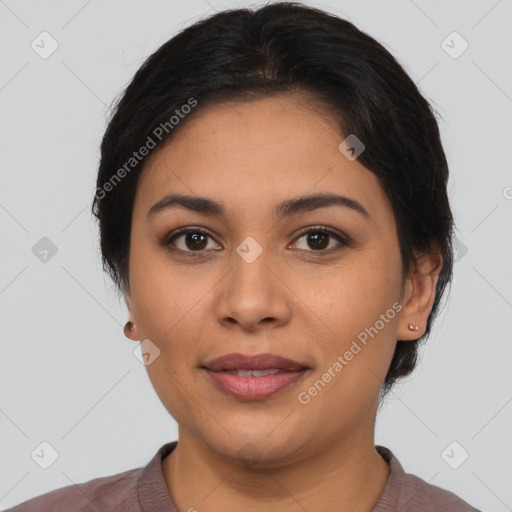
(315, 239)
(195, 237)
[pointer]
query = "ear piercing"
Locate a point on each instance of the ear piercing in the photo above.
(413, 327)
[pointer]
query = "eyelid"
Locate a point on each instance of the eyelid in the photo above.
(324, 229)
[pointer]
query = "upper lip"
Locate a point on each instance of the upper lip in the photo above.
(265, 361)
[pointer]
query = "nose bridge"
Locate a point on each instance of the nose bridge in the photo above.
(250, 272)
(252, 292)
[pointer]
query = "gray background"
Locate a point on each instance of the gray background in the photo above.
(69, 377)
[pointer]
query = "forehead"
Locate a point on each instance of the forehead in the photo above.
(252, 153)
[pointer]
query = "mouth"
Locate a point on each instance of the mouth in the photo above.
(254, 377)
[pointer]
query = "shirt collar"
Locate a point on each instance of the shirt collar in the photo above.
(152, 487)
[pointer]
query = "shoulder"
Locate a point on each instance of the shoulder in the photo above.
(105, 494)
(419, 495)
(408, 493)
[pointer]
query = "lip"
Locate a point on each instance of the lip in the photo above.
(263, 361)
(254, 388)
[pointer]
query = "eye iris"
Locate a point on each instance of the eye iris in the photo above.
(317, 238)
(195, 237)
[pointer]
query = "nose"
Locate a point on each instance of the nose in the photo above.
(253, 296)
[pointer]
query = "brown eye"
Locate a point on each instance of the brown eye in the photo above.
(318, 240)
(195, 241)
(189, 240)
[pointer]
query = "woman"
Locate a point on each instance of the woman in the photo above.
(272, 205)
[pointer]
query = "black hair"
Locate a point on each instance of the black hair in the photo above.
(283, 48)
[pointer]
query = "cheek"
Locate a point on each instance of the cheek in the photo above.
(359, 305)
(162, 295)
(352, 295)
(167, 304)
(360, 310)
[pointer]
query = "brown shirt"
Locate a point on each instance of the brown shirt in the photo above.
(144, 490)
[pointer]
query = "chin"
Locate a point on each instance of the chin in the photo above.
(256, 448)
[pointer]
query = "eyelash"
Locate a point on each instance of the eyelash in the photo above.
(169, 240)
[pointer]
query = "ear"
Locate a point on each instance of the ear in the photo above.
(419, 292)
(134, 333)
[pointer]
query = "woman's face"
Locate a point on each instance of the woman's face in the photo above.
(250, 282)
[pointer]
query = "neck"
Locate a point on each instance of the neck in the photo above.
(346, 475)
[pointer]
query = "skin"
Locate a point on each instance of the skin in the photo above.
(292, 301)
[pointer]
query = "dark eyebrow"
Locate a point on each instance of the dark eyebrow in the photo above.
(313, 202)
(286, 209)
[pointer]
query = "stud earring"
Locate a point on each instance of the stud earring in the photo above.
(128, 328)
(413, 327)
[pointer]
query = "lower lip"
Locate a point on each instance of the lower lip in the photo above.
(255, 388)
